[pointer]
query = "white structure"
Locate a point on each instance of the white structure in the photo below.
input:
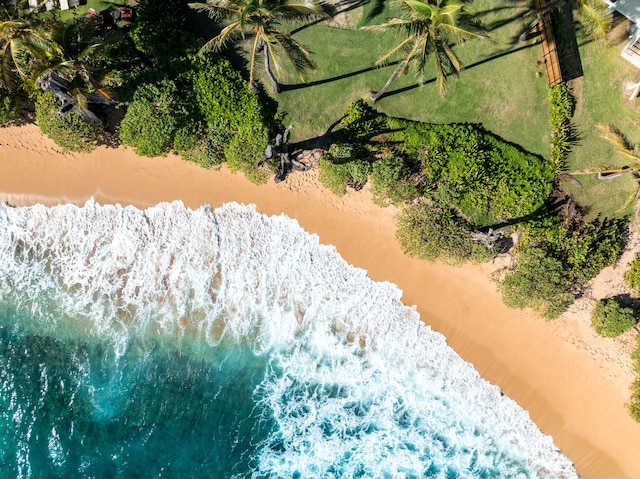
(33, 4)
(64, 5)
(631, 10)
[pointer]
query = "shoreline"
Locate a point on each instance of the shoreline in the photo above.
(550, 369)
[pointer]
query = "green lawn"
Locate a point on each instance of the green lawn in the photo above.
(502, 86)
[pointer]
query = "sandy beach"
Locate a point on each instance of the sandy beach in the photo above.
(573, 383)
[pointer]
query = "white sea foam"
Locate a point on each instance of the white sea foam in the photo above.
(357, 385)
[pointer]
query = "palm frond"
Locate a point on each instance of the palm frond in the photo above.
(403, 45)
(618, 140)
(305, 10)
(228, 33)
(596, 18)
(297, 53)
(217, 10)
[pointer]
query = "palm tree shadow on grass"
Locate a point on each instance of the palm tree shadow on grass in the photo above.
(298, 86)
(467, 67)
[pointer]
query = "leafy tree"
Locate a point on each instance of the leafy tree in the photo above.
(153, 118)
(428, 27)
(610, 318)
(70, 132)
(538, 282)
(390, 181)
(340, 168)
(262, 18)
(432, 233)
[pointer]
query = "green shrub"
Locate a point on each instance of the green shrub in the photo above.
(632, 277)
(202, 144)
(561, 107)
(610, 319)
(434, 234)
(634, 404)
(539, 282)
(635, 356)
(71, 132)
(218, 94)
(488, 179)
(152, 118)
(390, 183)
(360, 121)
(8, 106)
(339, 169)
(159, 31)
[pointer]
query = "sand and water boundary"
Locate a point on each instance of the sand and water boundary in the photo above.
(573, 383)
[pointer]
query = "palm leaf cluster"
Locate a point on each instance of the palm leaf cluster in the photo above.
(624, 148)
(261, 20)
(429, 28)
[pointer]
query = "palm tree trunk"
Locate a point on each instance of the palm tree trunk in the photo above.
(376, 95)
(267, 67)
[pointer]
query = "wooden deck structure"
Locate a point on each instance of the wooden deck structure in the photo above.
(549, 50)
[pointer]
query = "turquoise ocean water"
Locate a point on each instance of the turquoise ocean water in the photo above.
(226, 344)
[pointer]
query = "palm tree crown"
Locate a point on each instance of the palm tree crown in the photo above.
(261, 17)
(429, 28)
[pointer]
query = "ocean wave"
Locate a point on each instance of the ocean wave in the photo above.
(355, 385)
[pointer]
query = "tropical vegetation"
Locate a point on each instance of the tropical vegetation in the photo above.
(262, 18)
(610, 318)
(428, 29)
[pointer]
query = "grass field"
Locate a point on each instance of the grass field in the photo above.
(502, 87)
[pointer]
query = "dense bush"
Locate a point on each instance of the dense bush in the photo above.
(218, 94)
(70, 132)
(635, 356)
(390, 181)
(488, 179)
(539, 282)
(8, 106)
(610, 318)
(428, 232)
(152, 118)
(203, 144)
(632, 277)
(159, 31)
(360, 122)
(561, 106)
(634, 404)
(339, 168)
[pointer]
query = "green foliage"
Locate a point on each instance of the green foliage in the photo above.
(635, 356)
(360, 121)
(159, 31)
(584, 250)
(634, 404)
(339, 169)
(202, 144)
(434, 234)
(488, 179)
(70, 132)
(218, 94)
(632, 277)
(390, 181)
(152, 118)
(610, 318)
(8, 106)
(538, 282)
(561, 107)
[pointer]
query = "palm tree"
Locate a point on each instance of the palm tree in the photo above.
(21, 44)
(594, 15)
(622, 146)
(429, 27)
(261, 18)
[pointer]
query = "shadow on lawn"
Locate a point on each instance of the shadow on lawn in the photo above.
(343, 6)
(297, 86)
(467, 67)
